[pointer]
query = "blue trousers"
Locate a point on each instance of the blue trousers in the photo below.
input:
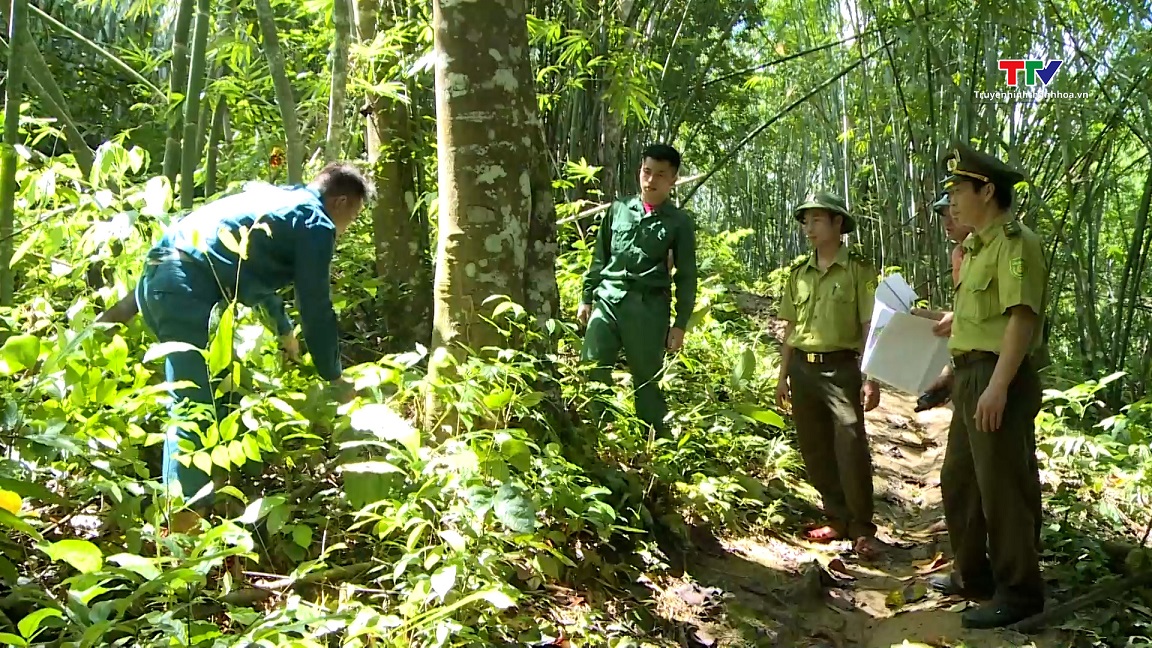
(176, 296)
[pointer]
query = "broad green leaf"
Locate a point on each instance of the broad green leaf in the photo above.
(260, 508)
(498, 399)
(503, 307)
(13, 522)
(515, 509)
(765, 416)
(229, 240)
(19, 353)
(146, 567)
(33, 238)
(12, 640)
(375, 467)
(251, 447)
(220, 349)
(203, 461)
(744, 368)
(481, 499)
(162, 349)
(8, 573)
(81, 554)
(277, 517)
(454, 539)
(221, 457)
(380, 420)
(302, 535)
(234, 492)
(531, 399)
(137, 158)
(236, 453)
(157, 197)
(499, 599)
(444, 579)
(517, 453)
(548, 566)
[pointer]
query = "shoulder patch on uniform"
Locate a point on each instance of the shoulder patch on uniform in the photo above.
(1016, 267)
(1012, 228)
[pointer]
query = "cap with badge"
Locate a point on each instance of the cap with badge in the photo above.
(831, 202)
(966, 163)
(939, 206)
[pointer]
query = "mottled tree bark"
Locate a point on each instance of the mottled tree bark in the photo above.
(485, 133)
(400, 231)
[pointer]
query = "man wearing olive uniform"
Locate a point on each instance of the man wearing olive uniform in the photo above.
(937, 393)
(827, 304)
(989, 481)
(626, 298)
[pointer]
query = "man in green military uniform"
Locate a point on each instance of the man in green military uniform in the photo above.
(937, 392)
(626, 300)
(989, 481)
(827, 304)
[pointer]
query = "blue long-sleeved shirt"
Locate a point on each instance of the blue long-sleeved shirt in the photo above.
(291, 240)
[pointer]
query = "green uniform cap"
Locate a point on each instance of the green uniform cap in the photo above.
(831, 202)
(940, 204)
(966, 163)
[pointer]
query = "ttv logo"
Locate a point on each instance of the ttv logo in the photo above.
(1031, 69)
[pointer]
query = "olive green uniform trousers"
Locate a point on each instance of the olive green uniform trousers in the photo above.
(829, 420)
(990, 484)
(638, 324)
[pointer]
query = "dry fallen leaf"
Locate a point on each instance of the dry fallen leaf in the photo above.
(915, 592)
(909, 594)
(931, 566)
(837, 567)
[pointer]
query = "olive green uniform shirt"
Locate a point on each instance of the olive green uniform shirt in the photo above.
(1004, 267)
(632, 252)
(832, 309)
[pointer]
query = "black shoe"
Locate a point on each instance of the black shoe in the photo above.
(947, 585)
(998, 615)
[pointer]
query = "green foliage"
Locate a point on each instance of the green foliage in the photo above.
(438, 540)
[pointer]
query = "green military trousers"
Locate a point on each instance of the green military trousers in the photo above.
(638, 324)
(990, 484)
(829, 420)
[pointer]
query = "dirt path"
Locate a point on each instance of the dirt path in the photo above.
(768, 591)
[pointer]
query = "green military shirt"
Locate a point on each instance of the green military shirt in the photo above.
(832, 308)
(1004, 267)
(631, 254)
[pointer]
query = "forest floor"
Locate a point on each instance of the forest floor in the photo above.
(778, 589)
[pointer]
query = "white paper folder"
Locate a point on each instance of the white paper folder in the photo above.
(901, 349)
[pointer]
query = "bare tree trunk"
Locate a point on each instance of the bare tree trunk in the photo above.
(17, 12)
(215, 136)
(177, 84)
(190, 152)
(485, 178)
(341, 22)
(400, 229)
(293, 144)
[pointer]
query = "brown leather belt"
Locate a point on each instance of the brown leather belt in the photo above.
(843, 355)
(973, 357)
